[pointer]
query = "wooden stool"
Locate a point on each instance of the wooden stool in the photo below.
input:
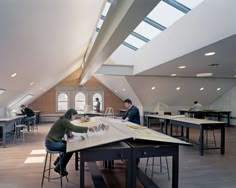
(160, 165)
(19, 133)
(45, 169)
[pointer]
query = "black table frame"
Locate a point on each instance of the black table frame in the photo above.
(187, 125)
(137, 149)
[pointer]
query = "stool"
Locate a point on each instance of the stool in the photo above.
(51, 153)
(19, 130)
(160, 165)
(32, 125)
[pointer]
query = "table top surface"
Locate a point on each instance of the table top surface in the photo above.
(182, 118)
(10, 118)
(206, 110)
(117, 131)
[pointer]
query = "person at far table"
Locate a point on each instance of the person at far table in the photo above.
(97, 107)
(197, 109)
(132, 113)
(28, 112)
(55, 138)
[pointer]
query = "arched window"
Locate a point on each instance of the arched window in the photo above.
(62, 102)
(80, 101)
(99, 96)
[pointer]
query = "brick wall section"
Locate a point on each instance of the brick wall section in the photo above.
(46, 103)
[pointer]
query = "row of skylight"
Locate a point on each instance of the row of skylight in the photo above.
(166, 13)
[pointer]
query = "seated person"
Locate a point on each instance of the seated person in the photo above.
(29, 113)
(54, 139)
(132, 113)
(197, 110)
(196, 107)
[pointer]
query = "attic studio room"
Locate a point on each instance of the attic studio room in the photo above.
(117, 93)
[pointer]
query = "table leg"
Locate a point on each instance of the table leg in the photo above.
(187, 133)
(201, 141)
(175, 168)
(171, 128)
(76, 160)
(148, 122)
(4, 137)
(129, 178)
(81, 171)
(222, 147)
(166, 127)
(182, 131)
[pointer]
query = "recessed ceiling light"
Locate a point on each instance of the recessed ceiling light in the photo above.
(32, 83)
(235, 76)
(40, 88)
(178, 88)
(123, 89)
(218, 89)
(202, 88)
(2, 91)
(153, 88)
(173, 74)
(13, 75)
(206, 74)
(182, 67)
(210, 53)
(116, 91)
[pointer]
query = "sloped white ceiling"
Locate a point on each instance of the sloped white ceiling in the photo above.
(165, 90)
(42, 41)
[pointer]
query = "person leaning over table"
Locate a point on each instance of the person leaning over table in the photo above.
(132, 113)
(54, 139)
(28, 112)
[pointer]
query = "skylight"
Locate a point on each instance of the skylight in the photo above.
(106, 8)
(165, 14)
(147, 30)
(134, 41)
(190, 3)
(23, 100)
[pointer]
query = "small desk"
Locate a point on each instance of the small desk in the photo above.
(209, 113)
(200, 124)
(8, 124)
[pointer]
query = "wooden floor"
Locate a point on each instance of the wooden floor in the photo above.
(210, 171)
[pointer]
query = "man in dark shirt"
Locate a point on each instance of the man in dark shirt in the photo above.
(132, 113)
(29, 113)
(97, 105)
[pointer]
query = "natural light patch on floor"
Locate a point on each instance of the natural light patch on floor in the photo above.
(34, 160)
(38, 152)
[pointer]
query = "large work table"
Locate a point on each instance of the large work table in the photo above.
(219, 114)
(7, 125)
(124, 141)
(200, 124)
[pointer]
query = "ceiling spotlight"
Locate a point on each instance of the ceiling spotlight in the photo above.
(218, 89)
(13, 75)
(173, 74)
(123, 89)
(202, 88)
(209, 53)
(182, 67)
(116, 91)
(178, 88)
(207, 74)
(32, 83)
(153, 88)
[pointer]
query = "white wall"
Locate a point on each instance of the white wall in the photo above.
(2, 111)
(226, 102)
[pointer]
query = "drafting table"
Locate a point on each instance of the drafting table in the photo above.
(200, 124)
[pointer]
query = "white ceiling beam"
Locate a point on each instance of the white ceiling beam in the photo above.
(118, 70)
(122, 18)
